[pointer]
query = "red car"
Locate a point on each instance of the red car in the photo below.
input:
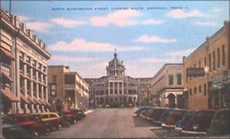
(27, 121)
(71, 116)
(50, 119)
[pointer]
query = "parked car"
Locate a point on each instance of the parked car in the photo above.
(200, 123)
(19, 122)
(51, 119)
(141, 109)
(185, 121)
(147, 113)
(14, 131)
(71, 116)
(157, 115)
(172, 117)
(164, 114)
(220, 124)
(79, 113)
(64, 122)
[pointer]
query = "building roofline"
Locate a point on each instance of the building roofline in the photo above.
(164, 66)
(206, 41)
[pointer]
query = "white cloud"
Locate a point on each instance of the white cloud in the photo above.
(84, 65)
(154, 39)
(152, 22)
(67, 23)
(205, 23)
(39, 26)
(81, 45)
(70, 59)
(120, 18)
(168, 57)
(180, 14)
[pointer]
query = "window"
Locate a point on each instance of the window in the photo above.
(210, 62)
(218, 57)
(223, 55)
(190, 92)
(179, 79)
(205, 61)
(170, 79)
(214, 60)
(205, 91)
(195, 90)
(54, 78)
(200, 89)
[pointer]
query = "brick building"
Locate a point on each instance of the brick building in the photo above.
(67, 89)
(210, 90)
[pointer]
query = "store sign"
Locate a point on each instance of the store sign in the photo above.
(195, 72)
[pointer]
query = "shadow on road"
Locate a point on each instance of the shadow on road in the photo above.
(138, 122)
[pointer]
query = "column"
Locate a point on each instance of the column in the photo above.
(17, 75)
(32, 89)
(42, 96)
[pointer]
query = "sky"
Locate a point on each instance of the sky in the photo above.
(146, 34)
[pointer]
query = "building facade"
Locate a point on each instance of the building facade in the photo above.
(210, 90)
(23, 67)
(168, 86)
(115, 89)
(67, 89)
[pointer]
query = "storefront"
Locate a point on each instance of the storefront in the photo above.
(220, 92)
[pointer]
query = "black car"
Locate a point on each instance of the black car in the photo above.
(199, 123)
(141, 109)
(158, 112)
(172, 117)
(220, 124)
(185, 121)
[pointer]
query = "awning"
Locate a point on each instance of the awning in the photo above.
(36, 101)
(6, 76)
(43, 102)
(23, 98)
(8, 94)
(30, 99)
(6, 53)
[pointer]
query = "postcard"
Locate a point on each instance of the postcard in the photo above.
(114, 69)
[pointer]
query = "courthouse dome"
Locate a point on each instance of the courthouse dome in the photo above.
(115, 67)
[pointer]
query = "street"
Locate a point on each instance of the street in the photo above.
(107, 123)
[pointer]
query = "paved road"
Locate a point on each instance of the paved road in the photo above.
(107, 123)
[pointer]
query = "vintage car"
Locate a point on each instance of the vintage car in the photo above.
(220, 124)
(141, 109)
(25, 123)
(173, 116)
(51, 119)
(185, 121)
(199, 123)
